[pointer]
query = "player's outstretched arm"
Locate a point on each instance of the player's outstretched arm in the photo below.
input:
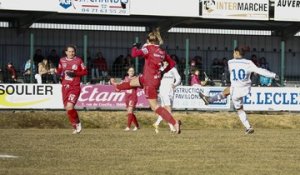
(262, 71)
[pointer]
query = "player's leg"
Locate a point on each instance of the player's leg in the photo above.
(169, 109)
(207, 100)
(132, 104)
(166, 103)
(238, 104)
(134, 82)
(135, 122)
(70, 99)
(159, 118)
(129, 117)
(152, 98)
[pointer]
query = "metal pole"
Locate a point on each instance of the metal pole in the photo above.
(136, 59)
(187, 56)
(235, 44)
(31, 57)
(282, 63)
(85, 43)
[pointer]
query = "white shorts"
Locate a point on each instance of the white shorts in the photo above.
(165, 99)
(237, 94)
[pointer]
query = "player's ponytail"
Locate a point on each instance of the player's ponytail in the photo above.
(242, 50)
(154, 37)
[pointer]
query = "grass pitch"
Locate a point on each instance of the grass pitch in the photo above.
(113, 151)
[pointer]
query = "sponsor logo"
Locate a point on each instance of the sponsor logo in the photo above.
(289, 3)
(218, 102)
(27, 90)
(273, 98)
(93, 94)
(65, 3)
(74, 67)
(188, 93)
(239, 6)
(209, 5)
(18, 91)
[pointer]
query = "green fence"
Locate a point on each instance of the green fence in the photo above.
(208, 51)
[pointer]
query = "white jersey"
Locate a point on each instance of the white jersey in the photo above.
(240, 72)
(169, 79)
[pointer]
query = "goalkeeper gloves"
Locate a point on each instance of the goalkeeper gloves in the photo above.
(137, 45)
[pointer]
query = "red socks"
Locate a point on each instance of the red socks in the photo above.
(132, 118)
(165, 115)
(135, 120)
(129, 120)
(123, 86)
(73, 117)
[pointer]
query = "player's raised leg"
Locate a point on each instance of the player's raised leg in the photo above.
(125, 85)
(208, 100)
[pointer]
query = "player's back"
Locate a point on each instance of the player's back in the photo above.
(240, 72)
(153, 59)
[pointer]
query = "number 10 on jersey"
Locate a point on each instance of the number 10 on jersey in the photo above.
(238, 74)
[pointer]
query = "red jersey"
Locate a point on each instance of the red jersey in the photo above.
(130, 94)
(74, 65)
(154, 56)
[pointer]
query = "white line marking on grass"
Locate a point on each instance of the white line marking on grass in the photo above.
(7, 156)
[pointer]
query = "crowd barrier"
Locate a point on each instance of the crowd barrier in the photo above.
(48, 96)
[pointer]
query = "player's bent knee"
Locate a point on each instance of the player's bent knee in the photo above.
(226, 91)
(135, 82)
(69, 108)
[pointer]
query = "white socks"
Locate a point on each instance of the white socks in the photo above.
(243, 118)
(159, 119)
(172, 128)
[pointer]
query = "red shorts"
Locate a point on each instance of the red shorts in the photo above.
(150, 87)
(150, 92)
(70, 94)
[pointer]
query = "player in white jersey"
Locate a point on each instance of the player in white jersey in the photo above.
(169, 81)
(240, 71)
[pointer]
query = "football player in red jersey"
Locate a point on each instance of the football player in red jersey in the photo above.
(71, 68)
(150, 79)
(131, 100)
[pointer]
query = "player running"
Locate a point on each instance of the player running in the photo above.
(240, 70)
(131, 100)
(169, 81)
(71, 68)
(150, 79)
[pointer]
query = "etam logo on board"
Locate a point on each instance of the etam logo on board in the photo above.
(94, 94)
